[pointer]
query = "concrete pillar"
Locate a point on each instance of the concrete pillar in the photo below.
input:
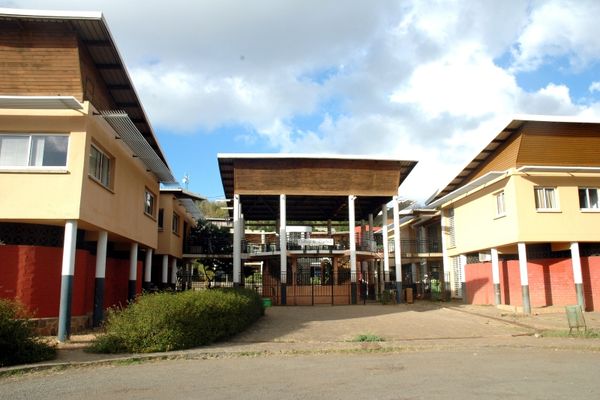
(165, 270)
(371, 234)
(496, 277)
(237, 241)
(283, 247)
(414, 272)
(352, 237)
(524, 277)
(329, 230)
(397, 250)
(66, 284)
(174, 272)
(446, 266)
(386, 245)
(148, 269)
(101, 246)
(133, 258)
(462, 259)
(363, 235)
(577, 275)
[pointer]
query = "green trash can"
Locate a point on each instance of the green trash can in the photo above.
(266, 302)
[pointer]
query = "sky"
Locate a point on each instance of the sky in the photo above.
(431, 81)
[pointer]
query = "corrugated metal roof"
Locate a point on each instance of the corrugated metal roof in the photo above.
(128, 132)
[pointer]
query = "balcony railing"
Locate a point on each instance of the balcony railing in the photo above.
(410, 246)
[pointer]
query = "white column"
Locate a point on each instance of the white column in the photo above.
(496, 276)
(101, 246)
(133, 270)
(577, 275)
(148, 266)
(371, 234)
(523, 270)
(462, 259)
(352, 236)
(237, 241)
(386, 245)
(165, 268)
(282, 238)
(174, 271)
(445, 259)
(66, 284)
(397, 250)
(414, 275)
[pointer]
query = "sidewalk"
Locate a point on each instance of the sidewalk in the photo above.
(406, 327)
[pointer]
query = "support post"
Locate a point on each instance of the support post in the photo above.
(397, 251)
(165, 270)
(174, 273)
(133, 257)
(101, 246)
(352, 237)
(66, 284)
(283, 247)
(462, 259)
(445, 259)
(386, 245)
(148, 269)
(496, 276)
(524, 277)
(577, 275)
(237, 241)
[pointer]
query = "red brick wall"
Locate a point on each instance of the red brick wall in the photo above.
(32, 275)
(590, 268)
(479, 283)
(550, 282)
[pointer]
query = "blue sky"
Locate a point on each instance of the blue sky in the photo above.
(430, 81)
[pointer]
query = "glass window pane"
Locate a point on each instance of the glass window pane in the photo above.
(539, 198)
(550, 203)
(36, 156)
(593, 198)
(583, 203)
(54, 150)
(105, 170)
(14, 151)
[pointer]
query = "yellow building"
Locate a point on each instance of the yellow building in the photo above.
(520, 222)
(80, 169)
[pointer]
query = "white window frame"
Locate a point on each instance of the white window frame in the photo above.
(587, 194)
(104, 158)
(36, 168)
(500, 198)
(152, 212)
(451, 229)
(554, 190)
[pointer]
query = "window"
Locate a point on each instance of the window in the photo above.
(545, 198)
(588, 198)
(451, 230)
(175, 223)
(161, 218)
(33, 150)
(100, 166)
(149, 203)
(500, 207)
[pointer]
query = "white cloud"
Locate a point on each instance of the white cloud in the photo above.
(415, 80)
(562, 28)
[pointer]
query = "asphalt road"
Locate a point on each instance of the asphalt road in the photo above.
(476, 373)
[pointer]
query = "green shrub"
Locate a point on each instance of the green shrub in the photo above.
(367, 337)
(174, 321)
(19, 344)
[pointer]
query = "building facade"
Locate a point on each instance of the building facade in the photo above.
(80, 170)
(520, 222)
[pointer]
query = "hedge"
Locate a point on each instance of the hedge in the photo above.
(175, 321)
(19, 344)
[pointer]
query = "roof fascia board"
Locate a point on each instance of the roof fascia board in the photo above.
(470, 187)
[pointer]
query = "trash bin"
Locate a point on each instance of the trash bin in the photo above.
(266, 302)
(409, 295)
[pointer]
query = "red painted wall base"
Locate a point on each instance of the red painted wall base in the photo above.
(550, 282)
(32, 274)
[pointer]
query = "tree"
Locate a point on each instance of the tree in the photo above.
(214, 209)
(213, 241)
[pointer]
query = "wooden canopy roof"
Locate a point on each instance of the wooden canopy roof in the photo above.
(316, 186)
